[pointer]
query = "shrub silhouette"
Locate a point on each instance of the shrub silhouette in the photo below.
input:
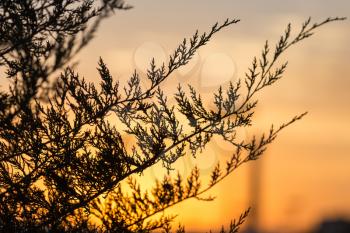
(63, 162)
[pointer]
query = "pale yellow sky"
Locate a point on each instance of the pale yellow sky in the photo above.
(305, 173)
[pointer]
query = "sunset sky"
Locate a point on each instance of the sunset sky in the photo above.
(305, 174)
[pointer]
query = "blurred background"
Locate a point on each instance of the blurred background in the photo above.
(303, 180)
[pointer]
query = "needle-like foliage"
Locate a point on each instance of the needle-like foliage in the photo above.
(64, 165)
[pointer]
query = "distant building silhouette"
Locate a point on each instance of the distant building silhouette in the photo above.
(250, 230)
(255, 197)
(333, 226)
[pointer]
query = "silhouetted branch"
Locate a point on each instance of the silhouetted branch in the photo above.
(59, 153)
